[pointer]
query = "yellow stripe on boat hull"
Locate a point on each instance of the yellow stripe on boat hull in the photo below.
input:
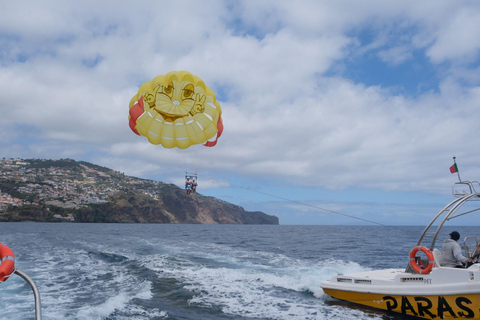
(422, 306)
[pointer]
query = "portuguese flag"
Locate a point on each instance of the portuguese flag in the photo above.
(454, 168)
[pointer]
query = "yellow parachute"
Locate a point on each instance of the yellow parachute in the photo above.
(176, 110)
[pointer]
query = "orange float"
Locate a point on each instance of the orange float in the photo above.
(421, 268)
(7, 262)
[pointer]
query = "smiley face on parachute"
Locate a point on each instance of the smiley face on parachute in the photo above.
(176, 100)
(176, 110)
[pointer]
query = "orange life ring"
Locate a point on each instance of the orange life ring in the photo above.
(7, 262)
(421, 268)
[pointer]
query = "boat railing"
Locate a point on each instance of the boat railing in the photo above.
(36, 293)
(464, 192)
(470, 245)
(463, 188)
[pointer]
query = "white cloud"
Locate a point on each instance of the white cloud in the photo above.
(456, 38)
(69, 70)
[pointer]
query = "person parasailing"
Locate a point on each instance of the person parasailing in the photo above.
(194, 186)
(188, 186)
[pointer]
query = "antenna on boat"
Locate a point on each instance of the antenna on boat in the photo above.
(454, 168)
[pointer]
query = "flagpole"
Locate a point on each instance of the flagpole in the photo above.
(458, 171)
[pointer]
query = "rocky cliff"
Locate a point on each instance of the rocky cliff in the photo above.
(171, 207)
(67, 190)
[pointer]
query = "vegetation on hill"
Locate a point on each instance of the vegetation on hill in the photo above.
(67, 190)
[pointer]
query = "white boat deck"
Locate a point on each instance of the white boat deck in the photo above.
(376, 276)
(397, 281)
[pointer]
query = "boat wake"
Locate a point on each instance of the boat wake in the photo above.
(124, 275)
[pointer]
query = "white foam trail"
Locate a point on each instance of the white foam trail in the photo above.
(242, 288)
(101, 311)
(121, 304)
(240, 282)
(68, 281)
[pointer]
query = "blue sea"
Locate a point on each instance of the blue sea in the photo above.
(168, 271)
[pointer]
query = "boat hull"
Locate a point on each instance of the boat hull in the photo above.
(463, 306)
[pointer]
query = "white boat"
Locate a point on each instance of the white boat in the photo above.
(425, 289)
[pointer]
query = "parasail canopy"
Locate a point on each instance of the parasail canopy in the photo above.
(176, 110)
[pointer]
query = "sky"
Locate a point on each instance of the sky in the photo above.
(335, 112)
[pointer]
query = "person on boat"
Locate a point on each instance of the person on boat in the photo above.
(188, 186)
(194, 186)
(452, 253)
